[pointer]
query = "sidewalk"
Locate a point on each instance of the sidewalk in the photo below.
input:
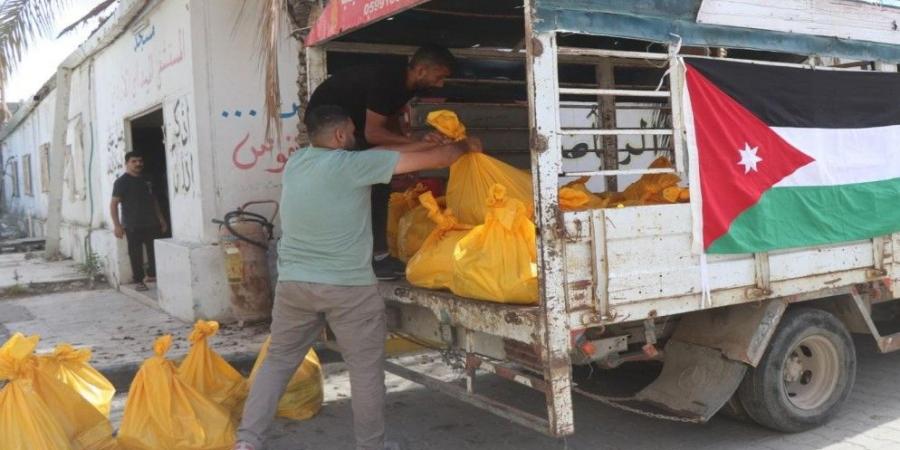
(21, 271)
(119, 329)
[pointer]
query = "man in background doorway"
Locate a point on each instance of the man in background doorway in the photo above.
(374, 97)
(142, 220)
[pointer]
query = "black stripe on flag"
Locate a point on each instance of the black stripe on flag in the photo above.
(807, 98)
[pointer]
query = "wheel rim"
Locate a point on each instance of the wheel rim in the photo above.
(811, 372)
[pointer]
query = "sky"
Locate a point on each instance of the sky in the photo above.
(44, 55)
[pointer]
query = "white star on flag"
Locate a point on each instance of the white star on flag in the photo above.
(749, 158)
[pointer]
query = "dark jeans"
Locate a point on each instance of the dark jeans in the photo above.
(381, 193)
(138, 239)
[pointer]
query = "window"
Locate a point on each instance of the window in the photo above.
(26, 175)
(14, 177)
(45, 167)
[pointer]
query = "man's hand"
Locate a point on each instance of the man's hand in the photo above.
(436, 138)
(474, 145)
(119, 231)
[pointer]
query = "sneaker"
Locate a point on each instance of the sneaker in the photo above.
(243, 446)
(388, 268)
(140, 286)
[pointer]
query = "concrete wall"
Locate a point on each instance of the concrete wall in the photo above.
(247, 163)
(35, 131)
(197, 60)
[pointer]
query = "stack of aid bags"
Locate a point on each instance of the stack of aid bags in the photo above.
(480, 241)
(197, 404)
(53, 402)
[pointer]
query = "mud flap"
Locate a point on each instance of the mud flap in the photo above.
(695, 382)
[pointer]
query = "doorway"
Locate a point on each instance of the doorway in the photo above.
(147, 140)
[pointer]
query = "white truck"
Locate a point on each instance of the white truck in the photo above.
(771, 340)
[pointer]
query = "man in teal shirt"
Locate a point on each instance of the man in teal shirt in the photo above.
(325, 272)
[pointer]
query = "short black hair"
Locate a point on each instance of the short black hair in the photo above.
(432, 54)
(323, 118)
(130, 155)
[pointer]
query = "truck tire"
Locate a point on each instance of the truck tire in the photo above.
(804, 376)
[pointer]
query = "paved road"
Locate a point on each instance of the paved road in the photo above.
(430, 421)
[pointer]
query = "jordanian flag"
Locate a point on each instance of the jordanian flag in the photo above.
(792, 157)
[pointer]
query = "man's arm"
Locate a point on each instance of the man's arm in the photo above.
(114, 214)
(378, 133)
(436, 157)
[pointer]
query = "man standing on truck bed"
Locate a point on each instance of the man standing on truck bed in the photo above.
(374, 97)
(325, 270)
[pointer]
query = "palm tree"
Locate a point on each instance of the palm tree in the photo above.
(22, 22)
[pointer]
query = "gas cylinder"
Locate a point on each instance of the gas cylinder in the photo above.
(244, 238)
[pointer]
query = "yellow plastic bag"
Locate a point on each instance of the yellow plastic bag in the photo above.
(163, 412)
(207, 372)
(473, 174)
(572, 199)
(26, 421)
(471, 178)
(594, 201)
(71, 366)
(447, 123)
(497, 261)
(399, 204)
(305, 392)
(414, 228)
(648, 186)
(432, 266)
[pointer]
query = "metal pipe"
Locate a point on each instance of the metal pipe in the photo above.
(617, 92)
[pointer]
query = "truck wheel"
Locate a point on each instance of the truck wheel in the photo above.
(805, 375)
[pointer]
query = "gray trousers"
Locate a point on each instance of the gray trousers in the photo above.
(356, 316)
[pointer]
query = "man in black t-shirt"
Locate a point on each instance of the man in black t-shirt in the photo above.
(374, 97)
(142, 220)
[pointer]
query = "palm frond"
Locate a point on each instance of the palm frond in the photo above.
(96, 11)
(21, 23)
(273, 18)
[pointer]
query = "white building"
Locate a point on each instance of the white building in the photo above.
(179, 81)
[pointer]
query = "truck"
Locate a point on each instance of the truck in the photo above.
(553, 86)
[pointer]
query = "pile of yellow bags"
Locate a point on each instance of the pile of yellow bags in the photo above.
(38, 411)
(57, 401)
(162, 411)
(650, 189)
(497, 260)
(483, 244)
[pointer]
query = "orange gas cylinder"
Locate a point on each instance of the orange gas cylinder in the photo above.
(244, 238)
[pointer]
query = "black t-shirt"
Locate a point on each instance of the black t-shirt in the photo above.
(381, 89)
(136, 196)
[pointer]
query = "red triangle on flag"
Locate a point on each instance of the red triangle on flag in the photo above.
(740, 156)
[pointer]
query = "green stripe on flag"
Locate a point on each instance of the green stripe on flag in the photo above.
(806, 216)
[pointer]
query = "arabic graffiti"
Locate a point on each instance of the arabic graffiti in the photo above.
(295, 110)
(178, 136)
(142, 37)
(154, 57)
(115, 152)
(181, 126)
(247, 158)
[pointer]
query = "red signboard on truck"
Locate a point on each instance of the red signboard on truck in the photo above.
(342, 16)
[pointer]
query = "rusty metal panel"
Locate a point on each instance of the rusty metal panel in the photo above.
(798, 263)
(510, 321)
(546, 155)
(740, 332)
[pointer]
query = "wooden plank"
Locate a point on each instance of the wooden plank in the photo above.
(639, 221)
(793, 264)
(846, 19)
